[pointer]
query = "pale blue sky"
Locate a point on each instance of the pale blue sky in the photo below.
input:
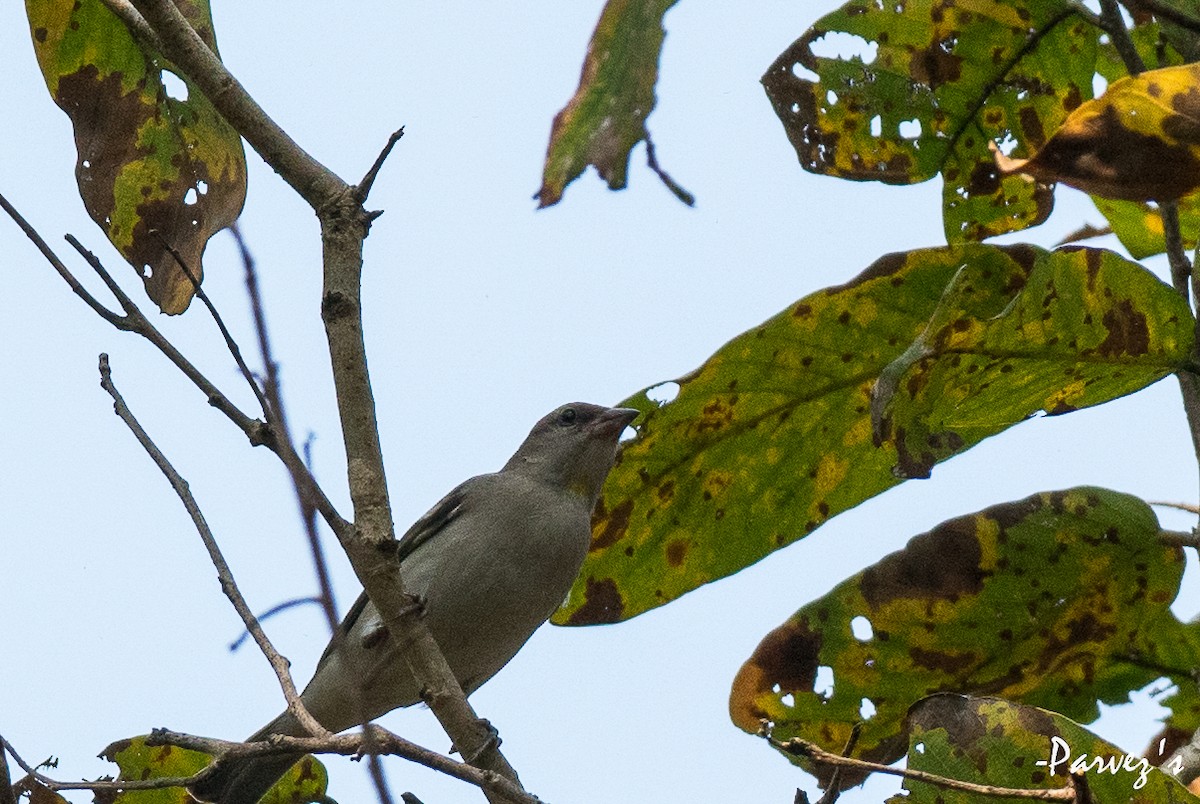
(481, 315)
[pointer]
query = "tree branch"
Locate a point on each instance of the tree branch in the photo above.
(344, 225)
(278, 663)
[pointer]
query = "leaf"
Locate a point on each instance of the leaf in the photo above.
(1140, 141)
(772, 436)
(1139, 225)
(607, 116)
(151, 167)
(306, 781)
(1059, 600)
(1086, 327)
(995, 742)
(929, 87)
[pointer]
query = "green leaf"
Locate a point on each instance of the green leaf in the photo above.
(607, 116)
(772, 436)
(1059, 600)
(990, 741)
(305, 782)
(151, 167)
(1087, 326)
(1139, 224)
(932, 86)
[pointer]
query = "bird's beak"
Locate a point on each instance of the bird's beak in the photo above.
(614, 420)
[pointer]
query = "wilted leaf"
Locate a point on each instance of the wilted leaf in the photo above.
(929, 87)
(607, 116)
(772, 435)
(1086, 326)
(991, 741)
(1059, 600)
(152, 167)
(305, 782)
(1140, 141)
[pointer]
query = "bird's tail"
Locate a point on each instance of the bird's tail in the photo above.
(245, 781)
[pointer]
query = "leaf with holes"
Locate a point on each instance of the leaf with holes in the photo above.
(1085, 326)
(991, 741)
(921, 88)
(1140, 141)
(772, 436)
(157, 172)
(1060, 600)
(607, 116)
(306, 781)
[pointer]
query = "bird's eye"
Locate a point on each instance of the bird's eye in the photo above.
(567, 417)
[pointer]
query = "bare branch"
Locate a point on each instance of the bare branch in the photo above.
(344, 225)
(356, 744)
(7, 796)
(363, 188)
(116, 319)
(278, 663)
(301, 474)
(235, 351)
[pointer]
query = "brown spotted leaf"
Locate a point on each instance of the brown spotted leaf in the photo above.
(991, 741)
(900, 92)
(607, 116)
(772, 435)
(1140, 141)
(153, 166)
(305, 782)
(1085, 326)
(1061, 600)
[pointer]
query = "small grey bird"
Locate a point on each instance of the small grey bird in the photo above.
(491, 561)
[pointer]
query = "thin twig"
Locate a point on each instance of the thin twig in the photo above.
(1191, 508)
(112, 317)
(136, 23)
(1114, 25)
(1169, 13)
(299, 470)
(833, 790)
(676, 189)
(278, 663)
(803, 748)
(7, 796)
(363, 188)
(354, 744)
(271, 612)
(104, 784)
(1178, 538)
(232, 345)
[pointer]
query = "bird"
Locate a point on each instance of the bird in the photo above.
(490, 562)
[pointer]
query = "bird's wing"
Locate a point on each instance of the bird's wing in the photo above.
(421, 531)
(435, 519)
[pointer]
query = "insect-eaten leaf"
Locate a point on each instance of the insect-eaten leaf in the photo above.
(994, 742)
(1061, 600)
(606, 117)
(772, 435)
(899, 93)
(305, 782)
(159, 170)
(1140, 141)
(1082, 327)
